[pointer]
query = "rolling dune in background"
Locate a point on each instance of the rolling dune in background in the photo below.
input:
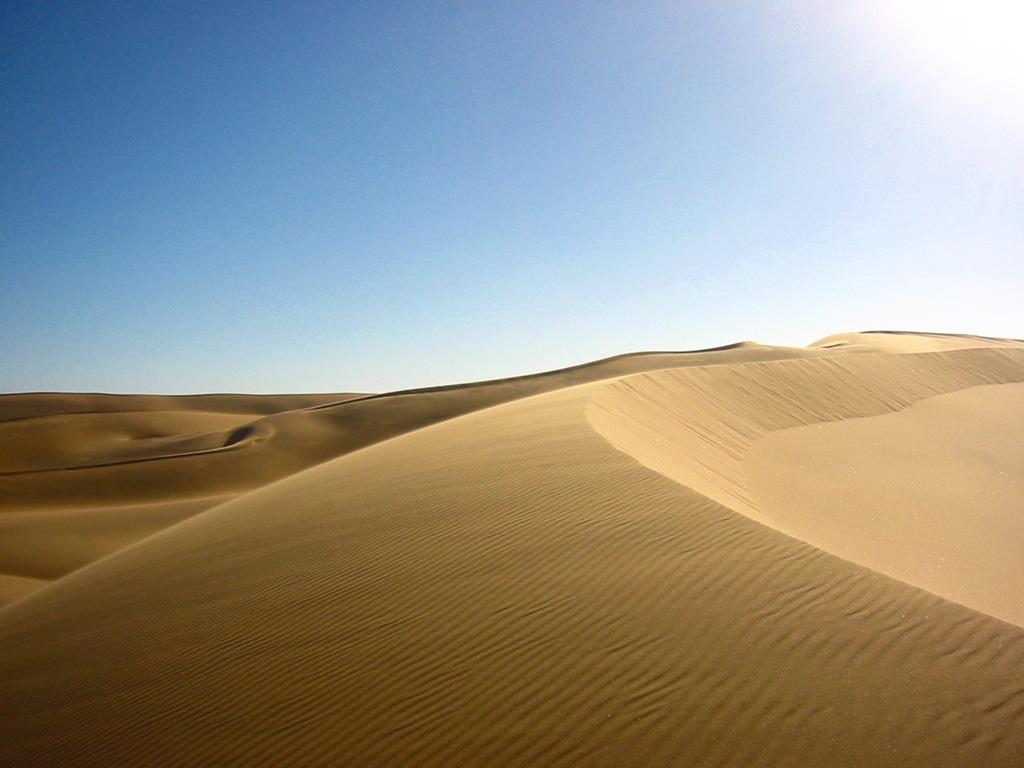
(751, 556)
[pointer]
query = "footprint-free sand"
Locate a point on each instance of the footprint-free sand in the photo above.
(749, 556)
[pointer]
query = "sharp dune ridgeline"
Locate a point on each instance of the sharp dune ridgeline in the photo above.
(746, 556)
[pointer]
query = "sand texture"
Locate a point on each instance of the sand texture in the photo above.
(752, 556)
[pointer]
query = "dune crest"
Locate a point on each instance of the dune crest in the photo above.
(84, 475)
(714, 430)
(930, 494)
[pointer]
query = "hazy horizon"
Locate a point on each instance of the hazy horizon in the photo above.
(387, 196)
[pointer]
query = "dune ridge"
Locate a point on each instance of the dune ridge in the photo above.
(284, 441)
(512, 587)
(698, 427)
(127, 468)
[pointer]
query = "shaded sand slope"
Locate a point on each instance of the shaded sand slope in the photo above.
(88, 474)
(505, 588)
(46, 544)
(14, 587)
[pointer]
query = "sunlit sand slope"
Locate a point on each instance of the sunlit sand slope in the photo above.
(933, 494)
(713, 429)
(510, 588)
(908, 341)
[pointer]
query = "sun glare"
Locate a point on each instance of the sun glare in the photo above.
(973, 46)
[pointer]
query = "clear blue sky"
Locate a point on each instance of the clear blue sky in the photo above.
(342, 196)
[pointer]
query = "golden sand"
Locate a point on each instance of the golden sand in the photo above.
(755, 556)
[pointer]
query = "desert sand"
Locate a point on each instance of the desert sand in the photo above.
(747, 556)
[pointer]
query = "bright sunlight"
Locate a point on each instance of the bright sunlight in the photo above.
(973, 47)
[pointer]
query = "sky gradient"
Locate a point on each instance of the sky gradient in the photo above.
(289, 197)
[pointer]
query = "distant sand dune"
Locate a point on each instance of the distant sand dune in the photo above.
(587, 573)
(68, 441)
(34, 404)
(49, 543)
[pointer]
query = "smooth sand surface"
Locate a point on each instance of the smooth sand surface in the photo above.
(48, 543)
(931, 494)
(597, 568)
(13, 587)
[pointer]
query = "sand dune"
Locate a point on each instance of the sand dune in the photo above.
(926, 504)
(98, 454)
(906, 341)
(32, 404)
(631, 563)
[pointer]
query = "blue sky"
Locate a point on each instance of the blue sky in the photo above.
(370, 196)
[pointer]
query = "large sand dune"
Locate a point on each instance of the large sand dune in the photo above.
(83, 475)
(750, 556)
